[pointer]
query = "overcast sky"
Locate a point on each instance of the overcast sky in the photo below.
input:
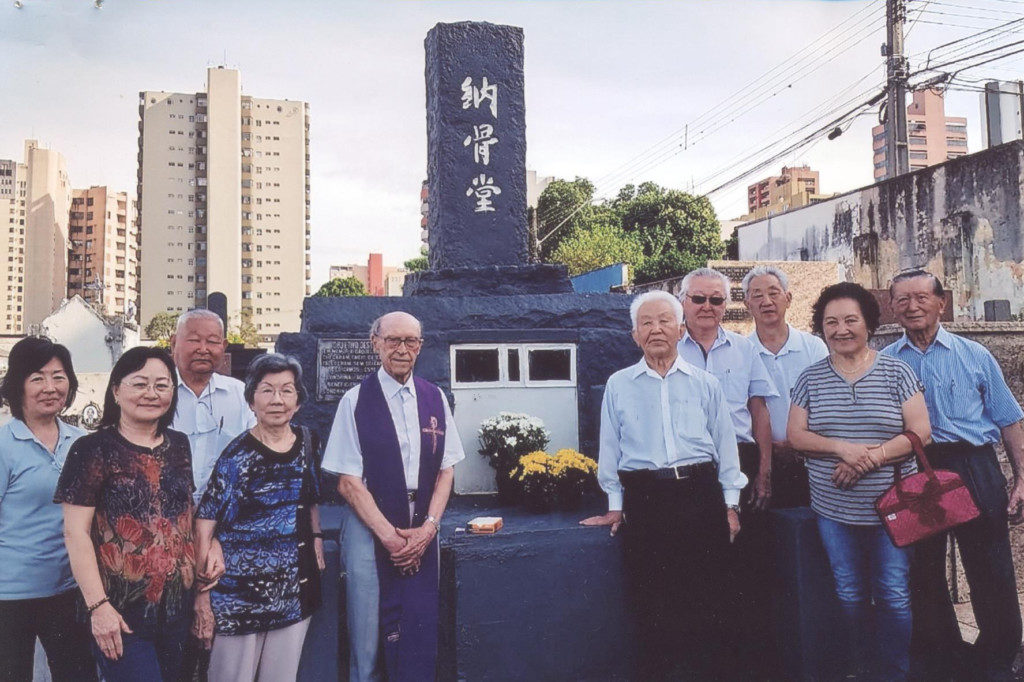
(605, 81)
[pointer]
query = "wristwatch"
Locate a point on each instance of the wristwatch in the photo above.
(434, 521)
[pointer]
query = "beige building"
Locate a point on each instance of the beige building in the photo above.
(379, 279)
(224, 203)
(35, 198)
(104, 259)
(795, 186)
(932, 137)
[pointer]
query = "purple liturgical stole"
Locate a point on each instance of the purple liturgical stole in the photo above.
(408, 603)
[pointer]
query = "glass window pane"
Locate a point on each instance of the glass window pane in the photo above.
(513, 364)
(550, 365)
(476, 365)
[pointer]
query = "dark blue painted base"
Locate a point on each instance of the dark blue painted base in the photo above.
(495, 280)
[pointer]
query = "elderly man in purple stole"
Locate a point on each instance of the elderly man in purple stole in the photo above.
(393, 443)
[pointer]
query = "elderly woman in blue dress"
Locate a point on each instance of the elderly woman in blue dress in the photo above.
(261, 504)
(37, 590)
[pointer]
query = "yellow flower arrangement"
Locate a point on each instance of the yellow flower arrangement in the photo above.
(547, 480)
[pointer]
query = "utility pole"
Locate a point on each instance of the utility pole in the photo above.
(897, 159)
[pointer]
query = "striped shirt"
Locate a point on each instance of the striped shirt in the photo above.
(868, 410)
(965, 391)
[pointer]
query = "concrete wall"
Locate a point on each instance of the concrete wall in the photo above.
(960, 220)
(94, 343)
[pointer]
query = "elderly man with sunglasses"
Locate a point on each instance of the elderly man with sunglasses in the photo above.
(732, 359)
(394, 445)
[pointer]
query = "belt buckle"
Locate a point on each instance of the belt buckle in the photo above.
(675, 470)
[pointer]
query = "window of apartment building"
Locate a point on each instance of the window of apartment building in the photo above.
(955, 142)
(956, 128)
(918, 140)
(918, 155)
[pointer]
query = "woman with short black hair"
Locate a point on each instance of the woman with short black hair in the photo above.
(261, 504)
(127, 497)
(847, 415)
(37, 590)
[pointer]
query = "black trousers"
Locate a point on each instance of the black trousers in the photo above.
(937, 649)
(675, 540)
(65, 640)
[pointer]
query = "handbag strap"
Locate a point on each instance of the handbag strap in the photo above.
(918, 447)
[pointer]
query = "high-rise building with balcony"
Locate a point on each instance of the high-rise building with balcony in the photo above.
(932, 137)
(34, 200)
(224, 203)
(104, 262)
(795, 186)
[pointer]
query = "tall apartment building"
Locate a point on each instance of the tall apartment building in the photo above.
(932, 137)
(795, 186)
(224, 203)
(104, 259)
(35, 197)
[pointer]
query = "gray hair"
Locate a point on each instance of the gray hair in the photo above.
(197, 314)
(379, 322)
(647, 297)
(762, 271)
(684, 288)
(272, 363)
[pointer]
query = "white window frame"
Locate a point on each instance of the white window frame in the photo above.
(524, 368)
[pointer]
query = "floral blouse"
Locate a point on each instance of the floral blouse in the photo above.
(142, 527)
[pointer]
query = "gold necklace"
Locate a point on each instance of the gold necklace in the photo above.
(856, 368)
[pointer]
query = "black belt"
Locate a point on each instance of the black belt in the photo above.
(957, 447)
(681, 472)
(411, 495)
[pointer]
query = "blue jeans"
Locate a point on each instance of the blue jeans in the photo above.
(362, 597)
(873, 585)
(151, 653)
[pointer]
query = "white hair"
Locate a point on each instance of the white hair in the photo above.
(762, 271)
(684, 288)
(647, 297)
(378, 324)
(197, 314)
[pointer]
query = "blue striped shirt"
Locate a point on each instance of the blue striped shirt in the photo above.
(964, 388)
(869, 410)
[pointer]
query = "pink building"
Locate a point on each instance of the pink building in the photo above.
(933, 137)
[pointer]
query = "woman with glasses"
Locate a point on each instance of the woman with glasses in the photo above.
(37, 590)
(261, 504)
(127, 497)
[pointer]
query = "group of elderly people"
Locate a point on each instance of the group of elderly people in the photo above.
(189, 519)
(711, 428)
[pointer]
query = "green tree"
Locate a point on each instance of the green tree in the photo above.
(161, 327)
(601, 244)
(667, 265)
(245, 334)
(416, 264)
(342, 286)
(563, 207)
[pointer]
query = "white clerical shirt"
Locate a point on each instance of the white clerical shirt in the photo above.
(653, 422)
(343, 455)
(211, 420)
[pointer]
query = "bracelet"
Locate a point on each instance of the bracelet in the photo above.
(318, 535)
(437, 526)
(98, 604)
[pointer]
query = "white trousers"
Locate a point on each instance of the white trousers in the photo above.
(272, 656)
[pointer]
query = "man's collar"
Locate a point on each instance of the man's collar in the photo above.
(212, 385)
(679, 365)
(390, 386)
(942, 337)
(720, 338)
(791, 345)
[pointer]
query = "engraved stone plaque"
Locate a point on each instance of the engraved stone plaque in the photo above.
(341, 364)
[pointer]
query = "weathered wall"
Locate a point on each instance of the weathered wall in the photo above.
(961, 220)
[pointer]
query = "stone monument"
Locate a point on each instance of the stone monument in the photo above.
(501, 333)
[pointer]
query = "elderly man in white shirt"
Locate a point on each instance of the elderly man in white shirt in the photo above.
(370, 531)
(669, 465)
(786, 352)
(212, 409)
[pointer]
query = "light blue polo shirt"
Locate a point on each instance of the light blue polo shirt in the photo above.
(800, 351)
(33, 558)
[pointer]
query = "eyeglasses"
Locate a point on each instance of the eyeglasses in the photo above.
(393, 342)
(701, 300)
(142, 387)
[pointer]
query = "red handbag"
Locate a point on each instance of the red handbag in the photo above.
(924, 504)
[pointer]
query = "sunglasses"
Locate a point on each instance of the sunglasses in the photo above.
(701, 300)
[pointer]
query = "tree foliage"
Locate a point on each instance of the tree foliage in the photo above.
(675, 231)
(161, 327)
(245, 334)
(342, 286)
(416, 264)
(601, 245)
